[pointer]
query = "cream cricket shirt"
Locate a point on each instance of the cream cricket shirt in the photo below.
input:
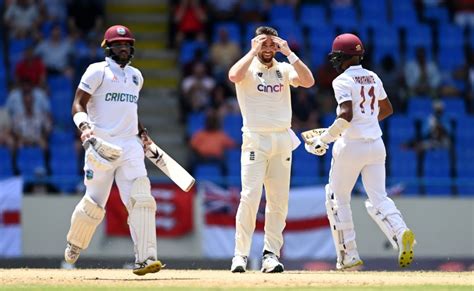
(264, 96)
(364, 88)
(114, 90)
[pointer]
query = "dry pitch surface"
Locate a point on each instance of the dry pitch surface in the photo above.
(93, 279)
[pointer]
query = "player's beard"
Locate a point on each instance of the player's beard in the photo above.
(266, 60)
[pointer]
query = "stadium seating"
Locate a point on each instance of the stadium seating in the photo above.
(31, 162)
(6, 166)
(209, 172)
(306, 168)
(232, 125)
(233, 167)
(437, 172)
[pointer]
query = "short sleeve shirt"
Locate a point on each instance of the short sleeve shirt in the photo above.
(364, 88)
(114, 96)
(264, 96)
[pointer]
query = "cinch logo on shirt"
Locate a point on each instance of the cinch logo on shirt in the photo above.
(270, 88)
(121, 97)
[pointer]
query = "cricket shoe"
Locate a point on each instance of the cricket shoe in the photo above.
(150, 265)
(71, 253)
(349, 261)
(270, 264)
(239, 264)
(405, 248)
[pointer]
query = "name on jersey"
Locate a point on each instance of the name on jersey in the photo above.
(270, 88)
(121, 97)
(364, 80)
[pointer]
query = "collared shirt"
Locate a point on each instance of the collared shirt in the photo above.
(364, 88)
(115, 91)
(264, 96)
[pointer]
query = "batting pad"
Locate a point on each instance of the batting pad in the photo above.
(86, 217)
(142, 219)
(381, 217)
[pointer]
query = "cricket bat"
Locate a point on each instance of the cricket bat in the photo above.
(170, 167)
(309, 134)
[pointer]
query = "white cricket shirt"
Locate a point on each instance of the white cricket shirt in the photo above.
(264, 96)
(114, 96)
(364, 88)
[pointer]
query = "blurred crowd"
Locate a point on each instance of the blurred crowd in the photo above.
(45, 45)
(421, 49)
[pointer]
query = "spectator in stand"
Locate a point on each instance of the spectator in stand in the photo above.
(15, 104)
(253, 11)
(56, 53)
(190, 19)
(31, 68)
(464, 13)
(196, 89)
(223, 10)
(54, 10)
(22, 18)
(6, 136)
(393, 81)
(435, 131)
(224, 53)
(209, 144)
(86, 17)
(305, 113)
(422, 76)
(31, 128)
(223, 100)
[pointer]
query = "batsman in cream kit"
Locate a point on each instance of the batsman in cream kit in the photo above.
(115, 142)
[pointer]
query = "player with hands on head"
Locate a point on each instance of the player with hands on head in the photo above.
(105, 111)
(263, 93)
(358, 150)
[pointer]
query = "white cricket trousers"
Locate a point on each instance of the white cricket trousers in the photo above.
(265, 161)
(352, 158)
(125, 170)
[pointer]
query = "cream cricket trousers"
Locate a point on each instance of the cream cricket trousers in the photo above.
(265, 161)
(352, 158)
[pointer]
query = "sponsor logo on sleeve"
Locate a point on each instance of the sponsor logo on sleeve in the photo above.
(86, 85)
(135, 79)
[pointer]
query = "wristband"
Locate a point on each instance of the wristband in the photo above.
(292, 58)
(80, 118)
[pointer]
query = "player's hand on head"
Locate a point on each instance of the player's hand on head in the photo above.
(257, 43)
(281, 45)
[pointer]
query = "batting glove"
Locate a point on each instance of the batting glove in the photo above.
(318, 147)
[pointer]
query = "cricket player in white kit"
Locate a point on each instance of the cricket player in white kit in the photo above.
(105, 110)
(263, 93)
(358, 150)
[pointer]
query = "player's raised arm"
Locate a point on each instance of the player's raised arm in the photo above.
(238, 70)
(305, 76)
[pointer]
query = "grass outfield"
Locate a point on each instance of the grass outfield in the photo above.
(107, 279)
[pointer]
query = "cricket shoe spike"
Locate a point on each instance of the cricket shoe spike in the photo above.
(405, 248)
